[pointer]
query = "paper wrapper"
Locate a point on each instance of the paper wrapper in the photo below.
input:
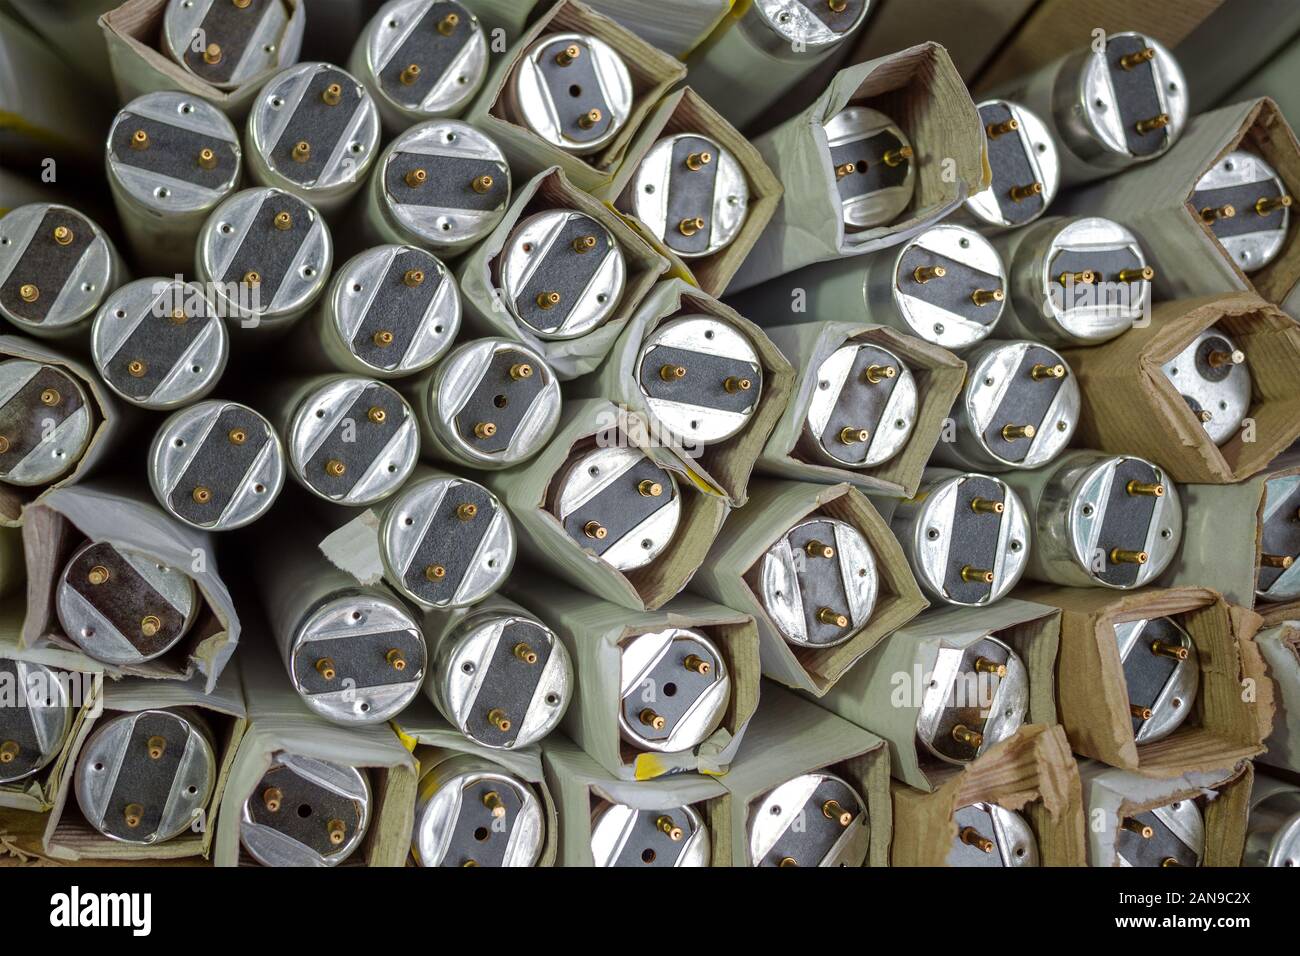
(424, 732)
(1234, 702)
(652, 71)
(485, 309)
(1032, 773)
(67, 834)
(684, 111)
(1129, 406)
(730, 576)
(788, 737)
(133, 34)
(278, 721)
(1223, 795)
(593, 632)
(54, 529)
(939, 376)
(580, 785)
(674, 26)
(1279, 644)
(884, 692)
(919, 89)
(725, 465)
(106, 417)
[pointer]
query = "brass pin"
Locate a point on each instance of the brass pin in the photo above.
(1150, 489)
(964, 735)
(482, 184)
(689, 227)
(136, 368)
(1205, 415)
(1016, 432)
(1040, 371)
(972, 575)
(377, 415)
(50, 397)
(994, 130)
(924, 274)
(1265, 206)
(1122, 556)
(325, 667)
(1175, 651)
(492, 800)
(1138, 827)
(156, 746)
(1211, 214)
(832, 810)
(201, 495)
(649, 489)
(987, 507)
(237, 436)
(383, 338)
(832, 618)
(435, 572)
(590, 118)
(332, 94)
(252, 277)
(283, 221)
(179, 317)
(521, 371)
(837, 6)
(9, 751)
(4, 445)
(1145, 274)
(447, 25)
(410, 74)
(568, 54)
(150, 625)
(467, 511)
(132, 814)
(697, 664)
(413, 278)
(733, 384)
(62, 235)
(1218, 359)
(396, 659)
(525, 653)
(470, 863)
(985, 666)
(212, 54)
(851, 436)
(242, 4)
(875, 374)
(1169, 861)
(815, 549)
(594, 529)
(651, 719)
(301, 151)
(1282, 561)
(272, 798)
(697, 161)
(1131, 61)
(335, 468)
(983, 297)
(672, 373)
(416, 178)
(1141, 713)
(28, 292)
(665, 825)
(1086, 277)
(98, 575)
(338, 831)
(1021, 193)
(548, 300)
(788, 861)
(845, 169)
(139, 139)
(207, 158)
(972, 837)
(897, 156)
(584, 244)
(1144, 126)
(485, 429)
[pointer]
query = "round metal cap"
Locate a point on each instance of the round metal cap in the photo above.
(874, 165)
(1172, 835)
(691, 193)
(472, 812)
(860, 387)
(422, 59)
(353, 441)
(814, 819)
(46, 419)
(625, 836)
(1026, 166)
(266, 255)
(172, 154)
(1162, 674)
(976, 697)
(216, 465)
(1092, 282)
(990, 835)
(122, 606)
(701, 378)
(818, 584)
(446, 542)
(1213, 378)
(561, 274)
(617, 503)
(674, 689)
(949, 286)
(357, 657)
(1279, 560)
(1245, 204)
(1131, 100)
(572, 90)
(159, 344)
(811, 25)
(227, 42)
(146, 777)
(503, 679)
(305, 812)
(1273, 829)
(56, 266)
(35, 725)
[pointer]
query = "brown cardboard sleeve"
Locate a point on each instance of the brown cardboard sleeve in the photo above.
(684, 111)
(1279, 644)
(725, 465)
(652, 71)
(132, 33)
(1032, 773)
(729, 576)
(1234, 702)
(790, 736)
(1129, 406)
(581, 785)
(485, 309)
(593, 632)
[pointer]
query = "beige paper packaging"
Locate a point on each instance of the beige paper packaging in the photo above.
(580, 785)
(423, 731)
(278, 721)
(790, 736)
(883, 692)
(69, 837)
(132, 32)
(484, 308)
(728, 576)
(1032, 773)
(1279, 644)
(674, 26)
(85, 678)
(124, 516)
(507, 16)
(108, 423)
(1154, 201)
(1110, 795)
(685, 111)
(939, 376)
(593, 631)
(726, 465)
(652, 71)
(1234, 701)
(920, 90)
(1129, 406)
